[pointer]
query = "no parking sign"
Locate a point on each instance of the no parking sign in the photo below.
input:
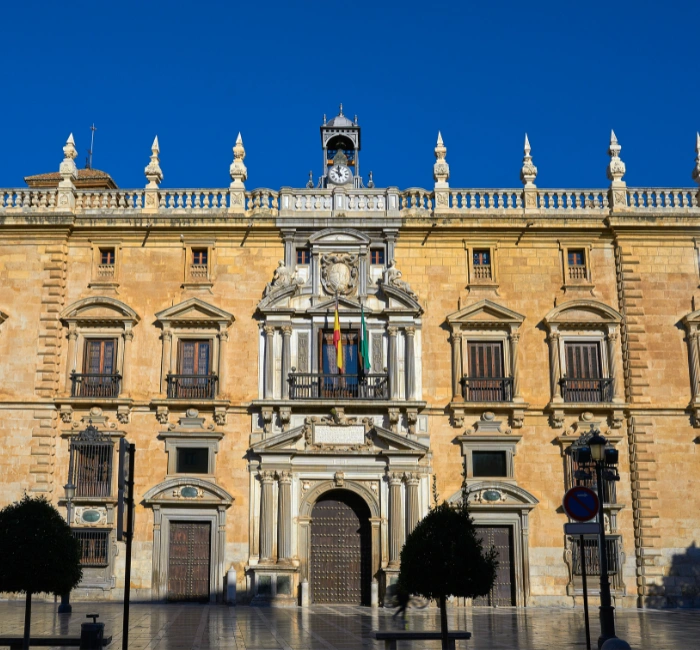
(581, 503)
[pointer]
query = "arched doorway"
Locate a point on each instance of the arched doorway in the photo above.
(341, 549)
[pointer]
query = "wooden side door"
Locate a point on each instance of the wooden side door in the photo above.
(502, 593)
(189, 561)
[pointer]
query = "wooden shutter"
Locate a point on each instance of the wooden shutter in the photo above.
(195, 357)
(583, 361)
(485, 359)
(99, 356)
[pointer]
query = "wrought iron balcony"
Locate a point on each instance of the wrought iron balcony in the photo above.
(586, 390)
(192, 386)
(487, 389)
(95, 385)
(303, 385)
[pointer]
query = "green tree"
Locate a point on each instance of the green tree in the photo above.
(443, 557)
(38, 552)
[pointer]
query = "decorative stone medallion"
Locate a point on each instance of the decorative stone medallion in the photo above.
(339, 273)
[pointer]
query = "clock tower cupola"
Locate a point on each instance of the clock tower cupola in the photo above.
(340, 138)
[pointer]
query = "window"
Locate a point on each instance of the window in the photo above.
(107, 258)
(577, 264)
(489, 464)
(584, 381)
(99, 377)
(481, 261)
(199, 256)
(199, 270)
(376, 256)
(90, 465)
(194, 379)
(590, 551)
(192, 460)
(574, 479)
(486, 381)
(303, 256)
(94, 547)
(104, 264)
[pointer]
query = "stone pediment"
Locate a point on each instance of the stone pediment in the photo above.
(278, 300)
(345, 237)
(345, 305)
(194, 312)
(99, 309)
(496, 494)
(399, 300)
(186, 491)
(484, 313)
(582, 312)
(323, 436)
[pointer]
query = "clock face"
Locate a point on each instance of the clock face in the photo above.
(339, 174)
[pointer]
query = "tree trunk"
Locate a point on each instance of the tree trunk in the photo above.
(27, 620)
(443, 623)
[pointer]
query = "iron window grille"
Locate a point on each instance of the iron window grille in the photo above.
(90, 465)
(94, 547)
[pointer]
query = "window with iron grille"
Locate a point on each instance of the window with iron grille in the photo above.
(303, 256)
(577, 264)
(90, 470)
(590, 549)
(94, 546)
(376, 256)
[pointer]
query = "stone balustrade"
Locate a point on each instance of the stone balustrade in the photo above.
(412, 202)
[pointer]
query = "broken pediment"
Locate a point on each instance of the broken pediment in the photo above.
(194, 312)
(187, 491)
(99, 309)
(484, 313)
(399, 300)
(345, 305)
(496, 494)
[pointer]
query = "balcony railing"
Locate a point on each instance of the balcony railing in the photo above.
(586, 390)
(482, 271)
(94, 546)
(323, 386)
(487, 389)
(95, 385)
(577, 272)
(192, 386)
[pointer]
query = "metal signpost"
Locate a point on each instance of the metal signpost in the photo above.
(125, 496)
(581, 504)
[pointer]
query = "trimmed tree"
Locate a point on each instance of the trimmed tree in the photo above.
(443, 557)
(39, 553)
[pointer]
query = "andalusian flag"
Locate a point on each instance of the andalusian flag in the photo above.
(364, 343)
(337, 340)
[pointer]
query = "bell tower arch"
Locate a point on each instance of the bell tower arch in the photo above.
(340, 139)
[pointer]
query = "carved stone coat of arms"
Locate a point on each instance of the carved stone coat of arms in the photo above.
(339, 273)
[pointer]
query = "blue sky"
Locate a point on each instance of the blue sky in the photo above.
(484, 73)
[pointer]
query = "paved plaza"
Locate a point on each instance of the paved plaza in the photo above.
(200, 627)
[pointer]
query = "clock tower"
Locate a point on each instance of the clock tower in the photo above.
(340, 138)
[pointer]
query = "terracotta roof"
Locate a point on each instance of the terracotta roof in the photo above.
(87, 179)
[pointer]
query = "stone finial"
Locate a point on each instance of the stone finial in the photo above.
(152, 170)
(616, 168)
(68, 169)
(441, 170)
(528, 172)
(696, 171)
(310, 182)
(238, 170)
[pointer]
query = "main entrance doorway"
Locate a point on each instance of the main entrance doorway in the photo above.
(502, 593)
(341, 549)
(188, 560)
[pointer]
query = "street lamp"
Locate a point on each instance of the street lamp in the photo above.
(65, 607)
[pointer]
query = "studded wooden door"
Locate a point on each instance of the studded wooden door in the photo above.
(502, 593)
(341, 549)
(188, 560)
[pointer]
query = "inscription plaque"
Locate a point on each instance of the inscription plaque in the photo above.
(353, 434)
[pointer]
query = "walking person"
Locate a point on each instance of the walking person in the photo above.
(402, 597)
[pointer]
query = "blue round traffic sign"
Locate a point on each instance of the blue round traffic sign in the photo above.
(581, 503)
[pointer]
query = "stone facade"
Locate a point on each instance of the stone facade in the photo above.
(256, 276)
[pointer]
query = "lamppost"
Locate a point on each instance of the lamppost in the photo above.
(65, 607)
(593, 450)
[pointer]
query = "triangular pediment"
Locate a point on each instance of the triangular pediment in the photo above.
(485, 312)
(345, 236)
(194, 312)
(345, 304)
(582, 312)
(187, 491)
(99, 309)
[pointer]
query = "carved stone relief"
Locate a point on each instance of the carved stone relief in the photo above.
(303, 352)
(339, 273)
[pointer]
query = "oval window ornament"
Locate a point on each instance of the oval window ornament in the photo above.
(91, 516)
(189, 492)
(491, 495)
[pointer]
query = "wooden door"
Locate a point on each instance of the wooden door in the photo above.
(502, 593)
(486, 374)
(188, 560)
(341, 549)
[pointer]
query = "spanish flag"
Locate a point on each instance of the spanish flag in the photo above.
(337, 340)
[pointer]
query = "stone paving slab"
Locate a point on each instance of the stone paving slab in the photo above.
(323, 627)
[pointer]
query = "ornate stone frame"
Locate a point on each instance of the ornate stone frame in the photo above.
(477, 284)
(167, 507)
(105, 284)
(585, 284)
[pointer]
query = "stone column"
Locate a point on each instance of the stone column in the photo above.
(284, 517)
(456, 341)
(269, 361)
(396, 519)
(393, 364)
(286, 359)
(165, 362)
(70, 363)
(694, 363)
(410, 364)
(612, 365)
(514, 340)
(223, 345)
(412, 511)
(554, 369)
(157, 579)
(126, 363)
(267, 511)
